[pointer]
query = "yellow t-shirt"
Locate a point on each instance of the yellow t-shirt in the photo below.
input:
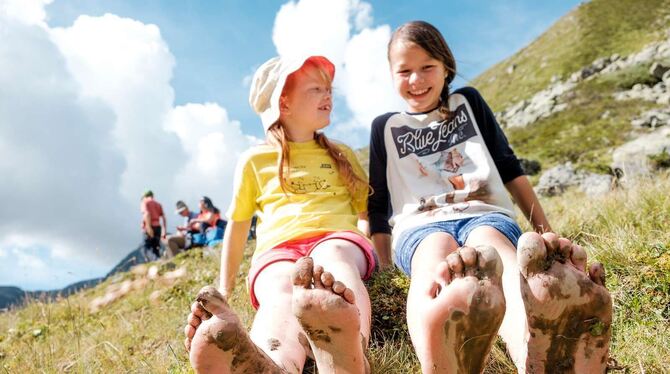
(323, 202)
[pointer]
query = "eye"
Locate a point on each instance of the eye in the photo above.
(428, 67)
(403, 72)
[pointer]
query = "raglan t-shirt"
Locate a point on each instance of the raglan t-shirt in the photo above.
(320, 202)
(424, 169)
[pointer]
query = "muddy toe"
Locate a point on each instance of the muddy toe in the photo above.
(211, 300)
(531, 254)
(303, 272)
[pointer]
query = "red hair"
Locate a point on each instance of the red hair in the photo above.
(277, 136)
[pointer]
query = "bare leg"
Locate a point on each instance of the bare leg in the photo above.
(276, 343)
(548, 286)
(220, 343)
(335, 318)
(275, 329)
(513, 329)
(454, 306)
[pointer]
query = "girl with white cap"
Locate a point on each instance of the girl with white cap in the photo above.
(310, 195)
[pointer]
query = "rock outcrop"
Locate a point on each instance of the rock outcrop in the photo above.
(559, 178)
(551, 100)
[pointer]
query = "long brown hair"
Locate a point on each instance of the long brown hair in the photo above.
(429, 38)
(276, 135)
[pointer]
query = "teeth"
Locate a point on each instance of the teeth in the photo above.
(420, 92)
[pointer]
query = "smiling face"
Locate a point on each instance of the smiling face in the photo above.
(306, 103)
(417, 76)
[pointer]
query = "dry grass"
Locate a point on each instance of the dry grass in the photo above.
(628, 230)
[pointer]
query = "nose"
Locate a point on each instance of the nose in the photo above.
(415, 77)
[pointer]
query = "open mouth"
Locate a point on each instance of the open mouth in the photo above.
(327, 107)
(419, 92)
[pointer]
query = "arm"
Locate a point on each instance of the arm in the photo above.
(363, 223)
(379, 202)
(382, 244)
(164, 223)
(147, 224)
(234, 241)
(525, 197)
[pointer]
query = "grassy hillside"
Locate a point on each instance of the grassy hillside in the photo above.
(628, 230)
(595, 29)
(584, 134)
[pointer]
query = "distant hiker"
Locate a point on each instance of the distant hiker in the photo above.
(153, 225)
(207, 226)
(181, 240)
(442, 172)
(310, 206)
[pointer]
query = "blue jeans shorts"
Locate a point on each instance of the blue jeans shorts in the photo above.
(459, 229)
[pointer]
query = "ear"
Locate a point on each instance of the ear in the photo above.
(283, 105)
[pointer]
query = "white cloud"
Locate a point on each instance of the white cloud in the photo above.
(213, 142)
(26, 11)
(368, 88)
(87, 122)
(128, 66)
(29, 261)
(363, 76)
(57, 151)
(313, 27)
(362, 14)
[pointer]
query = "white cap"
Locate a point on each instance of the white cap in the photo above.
(268, 84)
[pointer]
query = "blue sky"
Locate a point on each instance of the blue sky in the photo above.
(103, 99)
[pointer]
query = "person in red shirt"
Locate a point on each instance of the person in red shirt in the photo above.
(153, 224)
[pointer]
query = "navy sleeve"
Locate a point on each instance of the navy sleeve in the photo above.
(503, 156)
(379, 204)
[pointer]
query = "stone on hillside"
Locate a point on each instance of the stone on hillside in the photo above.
(632, 159)
(657, 70)
(596, 184)
(652, 118)
(557, 179)
(663, 99)
(666, 77)
(510, 69)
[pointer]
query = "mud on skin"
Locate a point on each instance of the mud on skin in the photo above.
(230, 336)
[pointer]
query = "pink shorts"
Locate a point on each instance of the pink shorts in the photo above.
(293, 250)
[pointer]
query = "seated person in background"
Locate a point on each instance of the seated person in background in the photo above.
(207, 217)
(182, 239)
(208, 226)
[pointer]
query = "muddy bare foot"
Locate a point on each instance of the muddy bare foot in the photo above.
(326, 311)
(569, 309)
(454, 324)
(221, 344)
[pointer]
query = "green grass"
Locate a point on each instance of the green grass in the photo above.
(581, 134)
(627, 230)
(595, 29)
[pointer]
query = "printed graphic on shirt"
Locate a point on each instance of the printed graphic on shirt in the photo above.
(446, 157)
(320, 178)
(311, 184)
(432, 139)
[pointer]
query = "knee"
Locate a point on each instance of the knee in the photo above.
(439, 241)
(335, 250)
